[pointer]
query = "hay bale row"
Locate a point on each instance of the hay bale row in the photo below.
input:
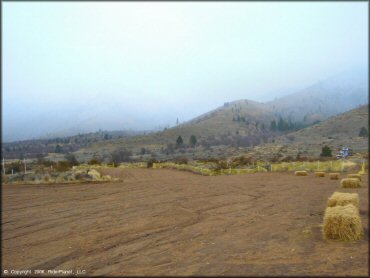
(342, 199)
(350, 183)
(354, 176)
(319, 174)
(300, 173)
(342, 222)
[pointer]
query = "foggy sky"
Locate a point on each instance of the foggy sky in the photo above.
(154, 62)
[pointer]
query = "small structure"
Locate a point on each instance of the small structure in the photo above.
(344, 152)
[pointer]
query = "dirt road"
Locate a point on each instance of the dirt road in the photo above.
(166, 222)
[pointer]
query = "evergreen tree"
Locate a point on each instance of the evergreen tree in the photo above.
(192, 140)
(326, 151)
(58, 149)
(273, 125)
(363, 132)
(179, 141)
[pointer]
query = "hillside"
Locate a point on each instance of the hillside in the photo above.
(324, 99)
(335, 132)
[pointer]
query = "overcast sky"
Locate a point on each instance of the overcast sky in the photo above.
(175, 59)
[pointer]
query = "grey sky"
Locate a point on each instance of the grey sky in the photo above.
(164, 60)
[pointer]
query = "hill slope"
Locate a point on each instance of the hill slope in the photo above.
(335, 132)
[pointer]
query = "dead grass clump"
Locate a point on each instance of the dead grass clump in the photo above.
(342, 199)
(342, 222)
(94, 174)
(354, 176)
(334, 176)
(300, 173)
(320, 174)
(350, 183)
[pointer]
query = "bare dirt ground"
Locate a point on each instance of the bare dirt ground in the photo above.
(166, 222)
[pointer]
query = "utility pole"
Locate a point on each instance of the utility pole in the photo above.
(3, 166)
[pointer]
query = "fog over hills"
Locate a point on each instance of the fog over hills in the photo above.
(323, 99)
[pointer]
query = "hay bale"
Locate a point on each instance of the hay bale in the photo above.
(300, 173)
(342, 199)
(320, 174)
(350, 183)
(334, 176)
(354, 176)
(342, 222)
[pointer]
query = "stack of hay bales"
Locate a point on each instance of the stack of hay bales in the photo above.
(342, 218)
(334, 176)
(350, 183)
(320, 174)
(300, 173)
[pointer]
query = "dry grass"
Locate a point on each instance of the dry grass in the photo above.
(334, 176)
(342, 222)
(301, 173)
(342, 199)
(354, 176)
(350, 183)
(320, 174)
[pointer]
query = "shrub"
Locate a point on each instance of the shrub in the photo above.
(180, 160)
(16, 166)
(94, 161)
(63, 166)
(240, 161)
(221, 164)
(121, 156)
(326, 151)
(71, 159)
(150, 163)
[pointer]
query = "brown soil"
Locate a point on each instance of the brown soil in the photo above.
(166, 222)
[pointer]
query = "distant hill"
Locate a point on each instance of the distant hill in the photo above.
(319, 101)
(326, 98)
(336, 132)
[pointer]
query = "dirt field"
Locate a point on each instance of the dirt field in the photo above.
(166, 222)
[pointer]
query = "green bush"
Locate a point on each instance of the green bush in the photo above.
(363, 132)
(150, 163)
(326, 151)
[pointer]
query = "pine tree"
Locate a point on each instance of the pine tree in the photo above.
(179, 141)
(192, 140)
(363, 132)
(326, 151)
